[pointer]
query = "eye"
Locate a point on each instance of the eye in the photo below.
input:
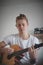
(23, 24)
(19, 25)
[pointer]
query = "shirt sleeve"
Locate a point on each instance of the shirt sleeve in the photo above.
(9, 39)
(36, 40)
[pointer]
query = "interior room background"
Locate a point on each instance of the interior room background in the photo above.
(9, 9)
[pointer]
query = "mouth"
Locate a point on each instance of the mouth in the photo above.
(21, 30)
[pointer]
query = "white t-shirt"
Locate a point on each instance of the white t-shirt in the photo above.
(15, 39)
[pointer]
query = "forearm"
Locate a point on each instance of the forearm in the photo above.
(33, 55)
(2, 45)
(32, 59)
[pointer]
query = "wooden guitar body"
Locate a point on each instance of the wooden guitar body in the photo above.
(11, 61)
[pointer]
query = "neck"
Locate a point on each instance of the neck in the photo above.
(24, 36)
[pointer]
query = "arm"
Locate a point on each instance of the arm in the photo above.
(2, 44)
(5, 47)
(33, 54)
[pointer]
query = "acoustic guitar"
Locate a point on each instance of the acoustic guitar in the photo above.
(9, 59)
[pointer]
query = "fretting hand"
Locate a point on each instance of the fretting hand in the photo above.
(32, 52)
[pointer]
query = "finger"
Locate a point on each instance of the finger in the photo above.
(29, 49)
(10, 50)
(32, 47)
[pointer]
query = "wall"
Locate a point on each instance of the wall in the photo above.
(9, 9)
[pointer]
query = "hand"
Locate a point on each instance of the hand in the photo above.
(32, 52)
(2, 44)
(7, 50)
(10, 50)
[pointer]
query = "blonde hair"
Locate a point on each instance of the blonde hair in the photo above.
(21, 16)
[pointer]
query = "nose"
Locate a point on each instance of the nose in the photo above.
(21, 27)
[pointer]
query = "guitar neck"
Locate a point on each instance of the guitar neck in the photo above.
(24, 50)
(16, 53)
(38, 45)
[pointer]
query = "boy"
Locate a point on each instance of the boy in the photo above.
(24, 40)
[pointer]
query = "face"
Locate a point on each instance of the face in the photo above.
(22, 25)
